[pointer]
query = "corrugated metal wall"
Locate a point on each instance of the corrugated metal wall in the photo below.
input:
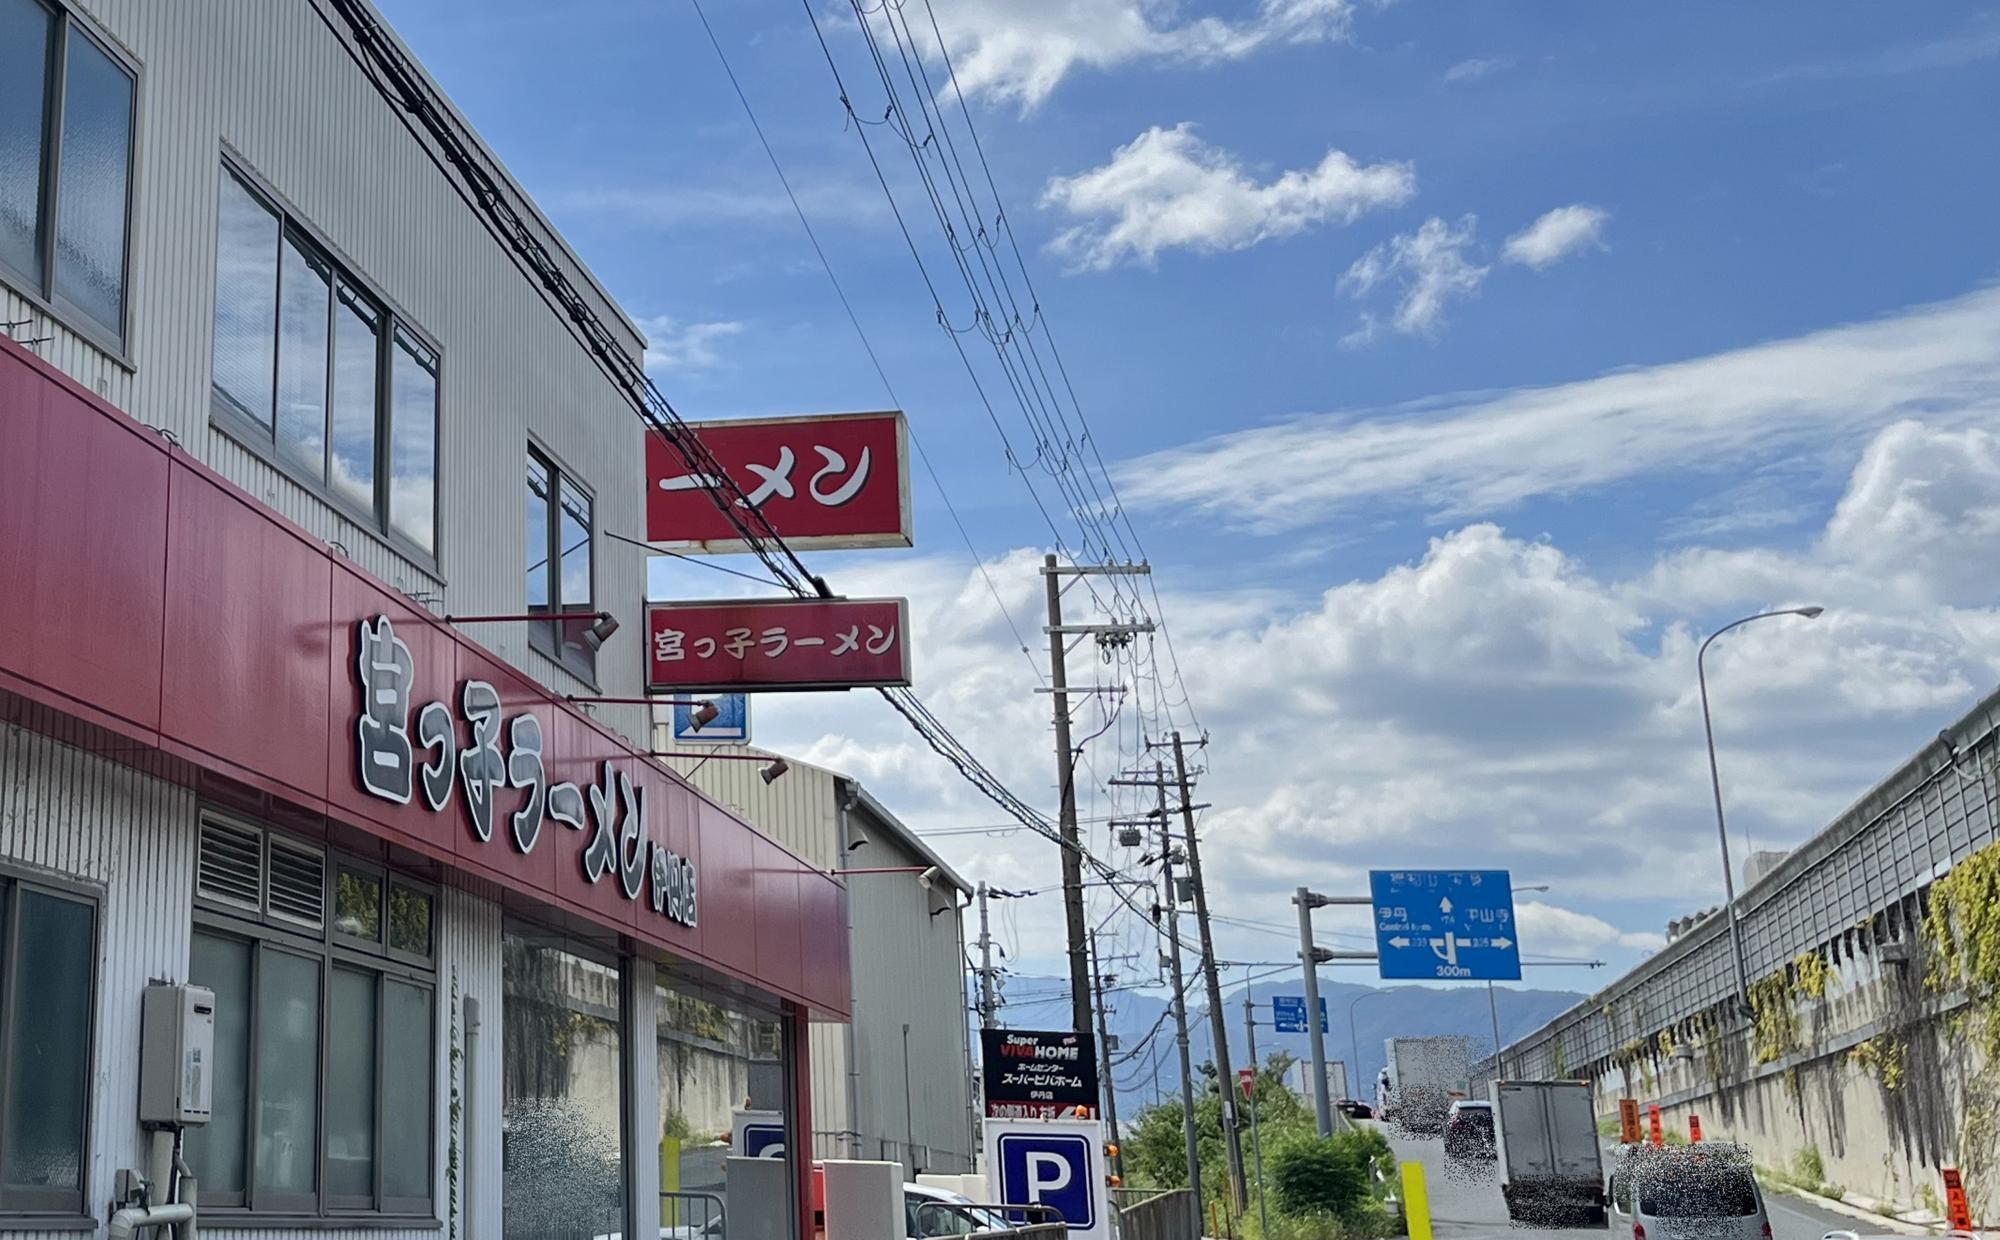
(909, 968)
(272, 83)
(131, 838)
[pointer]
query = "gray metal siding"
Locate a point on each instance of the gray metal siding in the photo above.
(272, 83)
(798, 809)
(909, 967)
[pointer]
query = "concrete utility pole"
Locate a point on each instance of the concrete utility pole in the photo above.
(1180, 1005)
(1218, 1019)
(1072, 846)
(1256, 1138)
(1104, 1061)
(986, 1005)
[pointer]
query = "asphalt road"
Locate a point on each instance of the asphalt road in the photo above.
(1466, 1203)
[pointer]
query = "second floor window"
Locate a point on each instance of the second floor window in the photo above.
(309, 362)
(558, 554)
(65, 165)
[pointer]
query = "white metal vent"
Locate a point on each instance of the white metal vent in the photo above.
(230, 865)
(298, 884)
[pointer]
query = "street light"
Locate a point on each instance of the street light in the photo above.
(1715, 782)
(1493, 1003)
(1354, 1038)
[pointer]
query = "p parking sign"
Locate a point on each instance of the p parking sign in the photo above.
(1056, 1163)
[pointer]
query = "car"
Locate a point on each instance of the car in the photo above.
(931, 1212)
(1354, 1108)
(1468, 1130)
(1706, 1191)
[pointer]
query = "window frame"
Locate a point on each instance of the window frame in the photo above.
(244, 428)
(42, 292)
(13, 878)
(330, 949)
(546, 637)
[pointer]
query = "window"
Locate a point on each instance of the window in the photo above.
(722, 1069)
(557, 539)
(312, 365)
(48, 955)
(325, 1029)
(65, 164)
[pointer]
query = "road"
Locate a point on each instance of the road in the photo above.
(1467, 1206)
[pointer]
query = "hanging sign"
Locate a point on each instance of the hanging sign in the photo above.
(397, 763)
(787, 643)
(822, 482)
(1038, 1075)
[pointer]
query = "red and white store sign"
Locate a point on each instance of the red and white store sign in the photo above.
(751, 644)
(823, 482)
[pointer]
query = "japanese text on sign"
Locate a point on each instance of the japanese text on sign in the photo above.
(777, 644)
(838, 480)
(612, 811)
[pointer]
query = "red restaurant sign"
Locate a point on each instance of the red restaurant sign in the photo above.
(825, 481)
(804, 643)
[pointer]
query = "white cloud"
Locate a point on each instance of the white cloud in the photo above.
(1477, 67)
(1429, 265)
(1168, 189)
(1818, 396)
(1491, 702)
(1021, 50)
(1557, 235)
(1557, 931)
(673, 345)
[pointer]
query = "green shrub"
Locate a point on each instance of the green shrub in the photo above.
(1332, 1177)
(1808, 1166)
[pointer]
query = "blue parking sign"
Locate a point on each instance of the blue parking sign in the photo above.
(1049, 1170)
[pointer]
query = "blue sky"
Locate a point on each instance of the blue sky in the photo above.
(1437, 581)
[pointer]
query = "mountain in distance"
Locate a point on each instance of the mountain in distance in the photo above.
(1146, 1064)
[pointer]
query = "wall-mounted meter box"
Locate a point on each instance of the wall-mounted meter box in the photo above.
(176, 1055)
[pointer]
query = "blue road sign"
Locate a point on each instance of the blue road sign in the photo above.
(1288, 1013)
(1052, 1170)
(1432, 924)
(764, 1141)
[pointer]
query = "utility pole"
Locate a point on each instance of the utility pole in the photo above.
(1217, 1017)
(1309, 956)
(1180, 1005)
(986, 1004)
(1256, 1138)
(1072, 846)
(1104, 1061)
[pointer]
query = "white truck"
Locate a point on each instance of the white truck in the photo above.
(1421, 1078)
(1551, 1163)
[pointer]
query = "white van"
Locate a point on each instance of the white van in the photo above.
(1705, 1191)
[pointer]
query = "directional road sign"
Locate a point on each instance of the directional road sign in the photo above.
(1432, 924)
(1288, 1013)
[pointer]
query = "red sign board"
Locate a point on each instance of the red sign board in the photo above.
(1247, 1078)
(827, 481)
(1694, 1127)
(1659, 1133)
(792, 643)
(1628, 1121)
(1957, 1207)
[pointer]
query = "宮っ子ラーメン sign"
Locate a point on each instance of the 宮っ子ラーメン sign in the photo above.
(785, 643)
(1030, 1074)
(397, 762)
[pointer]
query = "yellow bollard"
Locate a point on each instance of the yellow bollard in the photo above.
(1416, 1202)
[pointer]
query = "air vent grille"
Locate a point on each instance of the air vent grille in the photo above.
(231, 865)
(298, 884)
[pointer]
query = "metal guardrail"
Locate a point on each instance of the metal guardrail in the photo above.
(1165, 1215)
(699, 1216)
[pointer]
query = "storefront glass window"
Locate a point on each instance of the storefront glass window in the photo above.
(724, 1093)
(562, 1152)
(47, 942)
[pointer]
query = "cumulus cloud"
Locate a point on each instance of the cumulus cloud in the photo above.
(1168, 189)
(1021, 50)
(1819, 396)
(675, 346)
(1557, 235)
(1428, 266)
(1492, 700)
